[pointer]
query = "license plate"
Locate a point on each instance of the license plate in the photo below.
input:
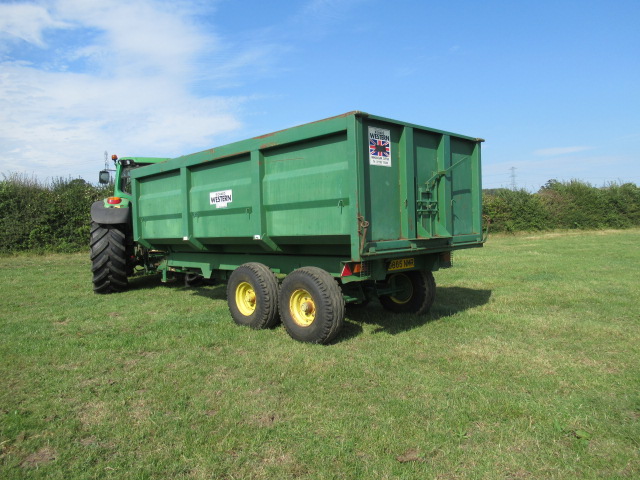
(402, 263)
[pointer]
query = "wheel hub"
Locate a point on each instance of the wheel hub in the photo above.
(307, 307)
(246, 299)
(403, 289)
(303, 308)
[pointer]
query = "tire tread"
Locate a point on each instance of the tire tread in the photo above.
(108, 258)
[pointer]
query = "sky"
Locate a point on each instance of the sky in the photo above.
(552, 86)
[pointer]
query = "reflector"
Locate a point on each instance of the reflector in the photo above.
(346, 270)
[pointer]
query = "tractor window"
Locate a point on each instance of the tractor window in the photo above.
(125, 179)
(125, 176)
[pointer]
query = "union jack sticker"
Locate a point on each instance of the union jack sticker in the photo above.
(379, 147)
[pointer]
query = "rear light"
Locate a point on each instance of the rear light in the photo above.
(114, 200)
(346, 271)
(351, 269)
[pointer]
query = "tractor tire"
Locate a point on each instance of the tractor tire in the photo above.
(417, 294)
(109, 258)
(252, 296)
(311, 305)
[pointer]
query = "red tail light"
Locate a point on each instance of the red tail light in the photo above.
(351, 269)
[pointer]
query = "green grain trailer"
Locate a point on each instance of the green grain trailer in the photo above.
(345, 209)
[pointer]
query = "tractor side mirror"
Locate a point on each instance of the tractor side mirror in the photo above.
(105, 177)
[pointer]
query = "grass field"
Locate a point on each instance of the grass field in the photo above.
(527, 367)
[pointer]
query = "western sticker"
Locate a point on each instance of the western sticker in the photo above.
(221, 199)
(379, 146)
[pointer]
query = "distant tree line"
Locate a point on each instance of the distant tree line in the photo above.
(563, 205)
(54, 216)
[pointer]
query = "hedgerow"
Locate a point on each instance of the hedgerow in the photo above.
(563, 205)
(54, 216)
(50, 216)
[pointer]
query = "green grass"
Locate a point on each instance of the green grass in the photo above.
(527, 367)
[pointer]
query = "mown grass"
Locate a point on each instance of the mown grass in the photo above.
(527, 367)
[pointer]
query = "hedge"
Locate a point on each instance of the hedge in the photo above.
(563, 205)
(46, 217)
(54, 216)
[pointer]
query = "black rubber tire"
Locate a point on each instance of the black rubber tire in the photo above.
(108, 258)
(420, 295)
(324, 295)
(264, 286)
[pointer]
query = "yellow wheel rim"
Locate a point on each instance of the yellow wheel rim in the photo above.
(302, 307)
(400, 280)
(246, 299)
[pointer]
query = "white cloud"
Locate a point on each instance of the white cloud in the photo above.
(129, 88)
(142, 36)
(132, 110)
(27, 22)
(547, 152)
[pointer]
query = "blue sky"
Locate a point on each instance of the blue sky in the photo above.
(553, 86)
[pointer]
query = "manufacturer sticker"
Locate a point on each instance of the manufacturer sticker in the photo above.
(221, 199)
(401, 264)
(379, 147)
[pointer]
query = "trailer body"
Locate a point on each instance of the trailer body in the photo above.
(349, 189)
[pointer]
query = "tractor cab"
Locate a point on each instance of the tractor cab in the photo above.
(122, 178)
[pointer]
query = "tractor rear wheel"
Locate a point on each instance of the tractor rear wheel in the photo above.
(109, 258)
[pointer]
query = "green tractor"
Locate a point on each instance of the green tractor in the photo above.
(114, 254)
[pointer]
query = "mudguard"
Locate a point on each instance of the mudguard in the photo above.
(109, 216)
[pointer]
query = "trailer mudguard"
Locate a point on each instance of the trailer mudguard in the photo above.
(109, 216)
